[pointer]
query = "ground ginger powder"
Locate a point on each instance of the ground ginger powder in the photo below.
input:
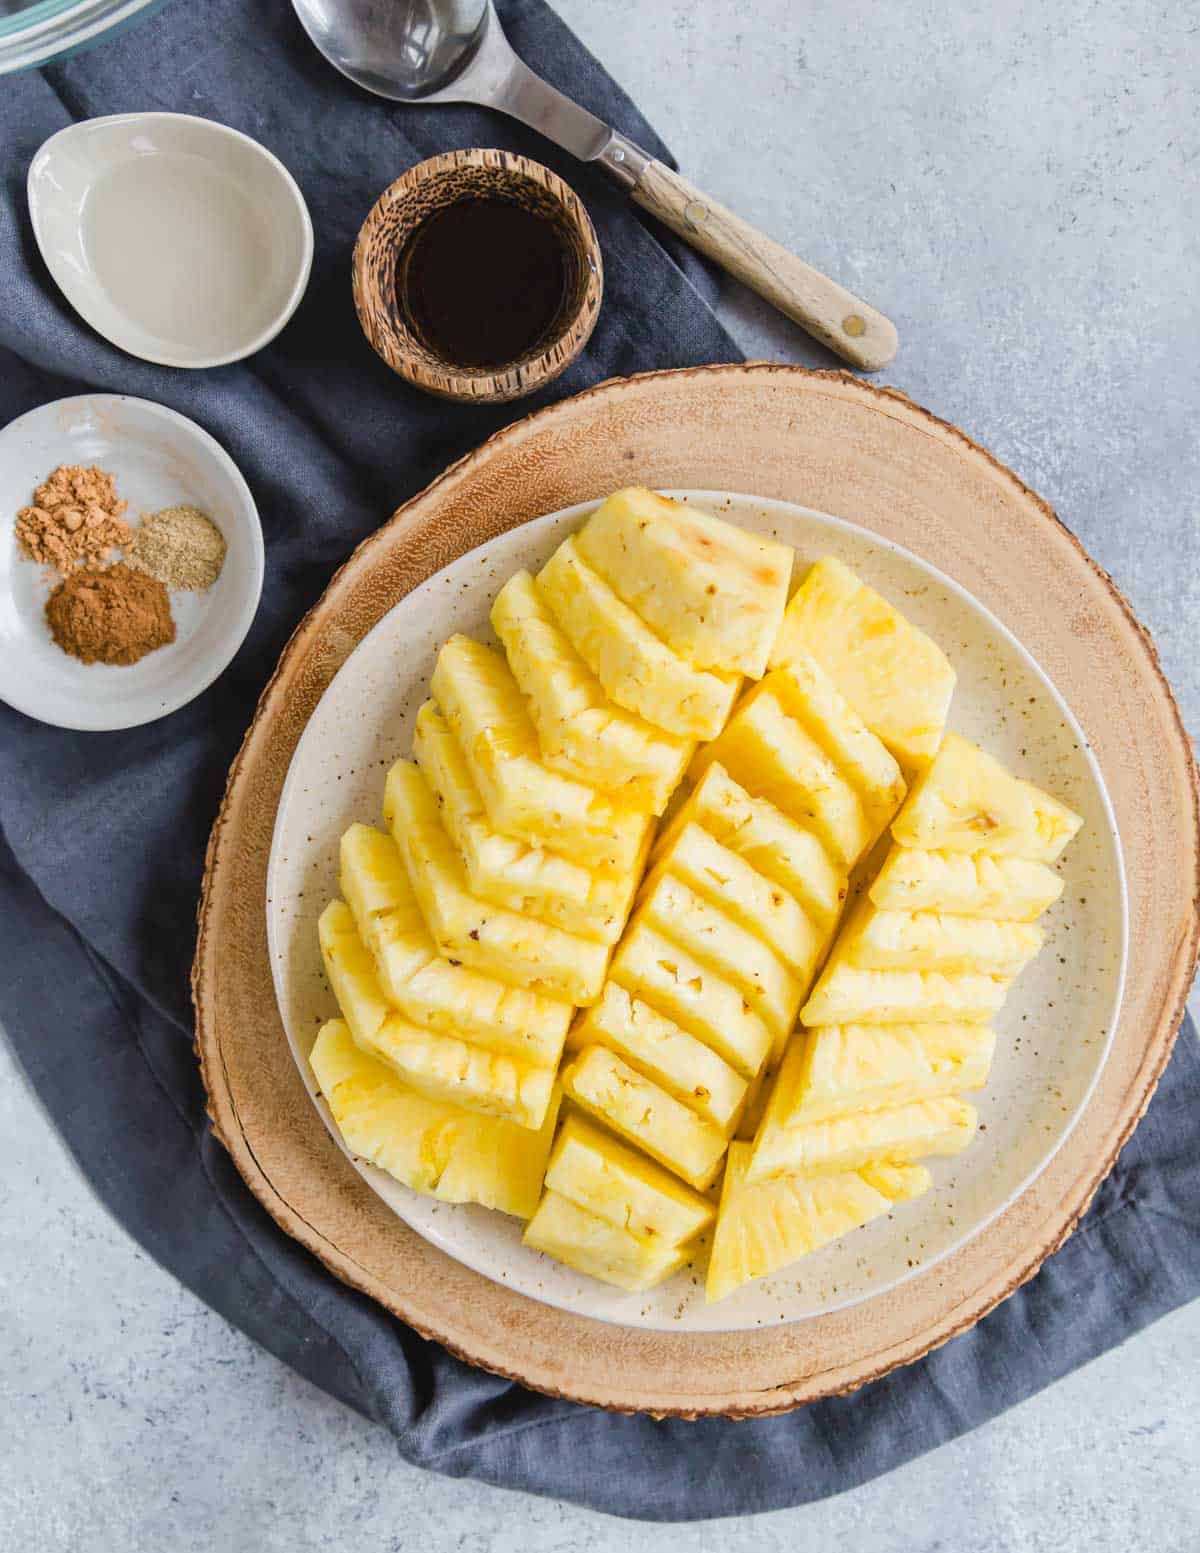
(75, 518)
(181, 546)
(110, 614)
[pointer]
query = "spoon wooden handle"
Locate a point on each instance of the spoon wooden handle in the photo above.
(835, 316)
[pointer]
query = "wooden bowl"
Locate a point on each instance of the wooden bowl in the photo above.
(431, 186)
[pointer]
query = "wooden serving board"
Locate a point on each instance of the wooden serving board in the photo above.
(828, 441)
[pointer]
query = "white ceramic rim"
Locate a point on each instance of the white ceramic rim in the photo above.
(221, 661)
(714, 499)
(299, 285)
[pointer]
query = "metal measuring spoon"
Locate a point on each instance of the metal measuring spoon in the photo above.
(432, 51)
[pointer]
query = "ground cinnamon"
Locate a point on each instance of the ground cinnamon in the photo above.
(110, 615)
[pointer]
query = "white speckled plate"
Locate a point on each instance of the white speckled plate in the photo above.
(1052, 1034)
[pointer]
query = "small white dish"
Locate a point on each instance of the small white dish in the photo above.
(179, 240)
(159, 459)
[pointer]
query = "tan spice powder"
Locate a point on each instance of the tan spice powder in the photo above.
(75, 517)
(181, 546)
(110, 614)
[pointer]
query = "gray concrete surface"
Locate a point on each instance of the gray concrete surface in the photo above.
(1015, 183)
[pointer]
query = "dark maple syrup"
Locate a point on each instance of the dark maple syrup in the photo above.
(482, 283)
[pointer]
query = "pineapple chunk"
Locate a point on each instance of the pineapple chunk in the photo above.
(935, 941)
(491, 939)
(757, 1096)
(841, 1143)
(1006, 889)
(841, 1069)
(486, 711)
(968, 802)
(593, 1246)
(636, 669)
(847, 995)
(765, 1225)
(773, 757)
(581, 732)
(897, 679)
(676, 984)
(591, 902)
(440, 1066)
(687, 920)
(713, 592)
(772, 844)
(653, 1044)
(727, 881)
(441, 1150)
(646, 1115)
(590, 1168)
(388, 919)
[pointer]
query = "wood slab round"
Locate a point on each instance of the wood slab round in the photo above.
(828, 441)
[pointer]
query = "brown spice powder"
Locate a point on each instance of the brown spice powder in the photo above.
(75, 517)
(110, 615)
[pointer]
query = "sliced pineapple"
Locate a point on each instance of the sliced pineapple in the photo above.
(491, 939)
(914, 1131)
(738, 957)
(713, 592)
(847, 995)
(727, 881)
(377, 889)
(693, 996)
(593, 903)
(524, 798)
(653, 1044)
(638, 671)
(774, 845)
(590, 1168)
(645, 1114)
(593, 1246)
(968, 802)
(1006, 889)
(764, 1226)
(842, 1069)
(935, 941)
(773, 757)
(441, 1150)
(351, 973)
(758, 1095)
(897, 679)
(581, 732)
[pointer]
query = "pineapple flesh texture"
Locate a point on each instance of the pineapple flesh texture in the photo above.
(848, 995)
(1004, 889)
(772, 756)
(727, 881)
(593, 1246)
(767, 839)
(694, 997)
(839, 1070)
(653, 1044)
(764, 1226)
(806, 692)
(443, 1067)
(581, 732)
(636, 669)
(713, 592)
(595, 1171)
(427, 1145)
(424, 986)
(739, 958)
(491, 939)
(897, 679)
(922, 1127)
(936, 941)
(644, 1114)
(593, 903)
(968, 802)
(524, 798)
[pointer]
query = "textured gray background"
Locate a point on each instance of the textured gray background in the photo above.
(1011, 181)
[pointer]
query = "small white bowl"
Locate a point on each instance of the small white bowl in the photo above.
(182, 241)
(159, 459)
